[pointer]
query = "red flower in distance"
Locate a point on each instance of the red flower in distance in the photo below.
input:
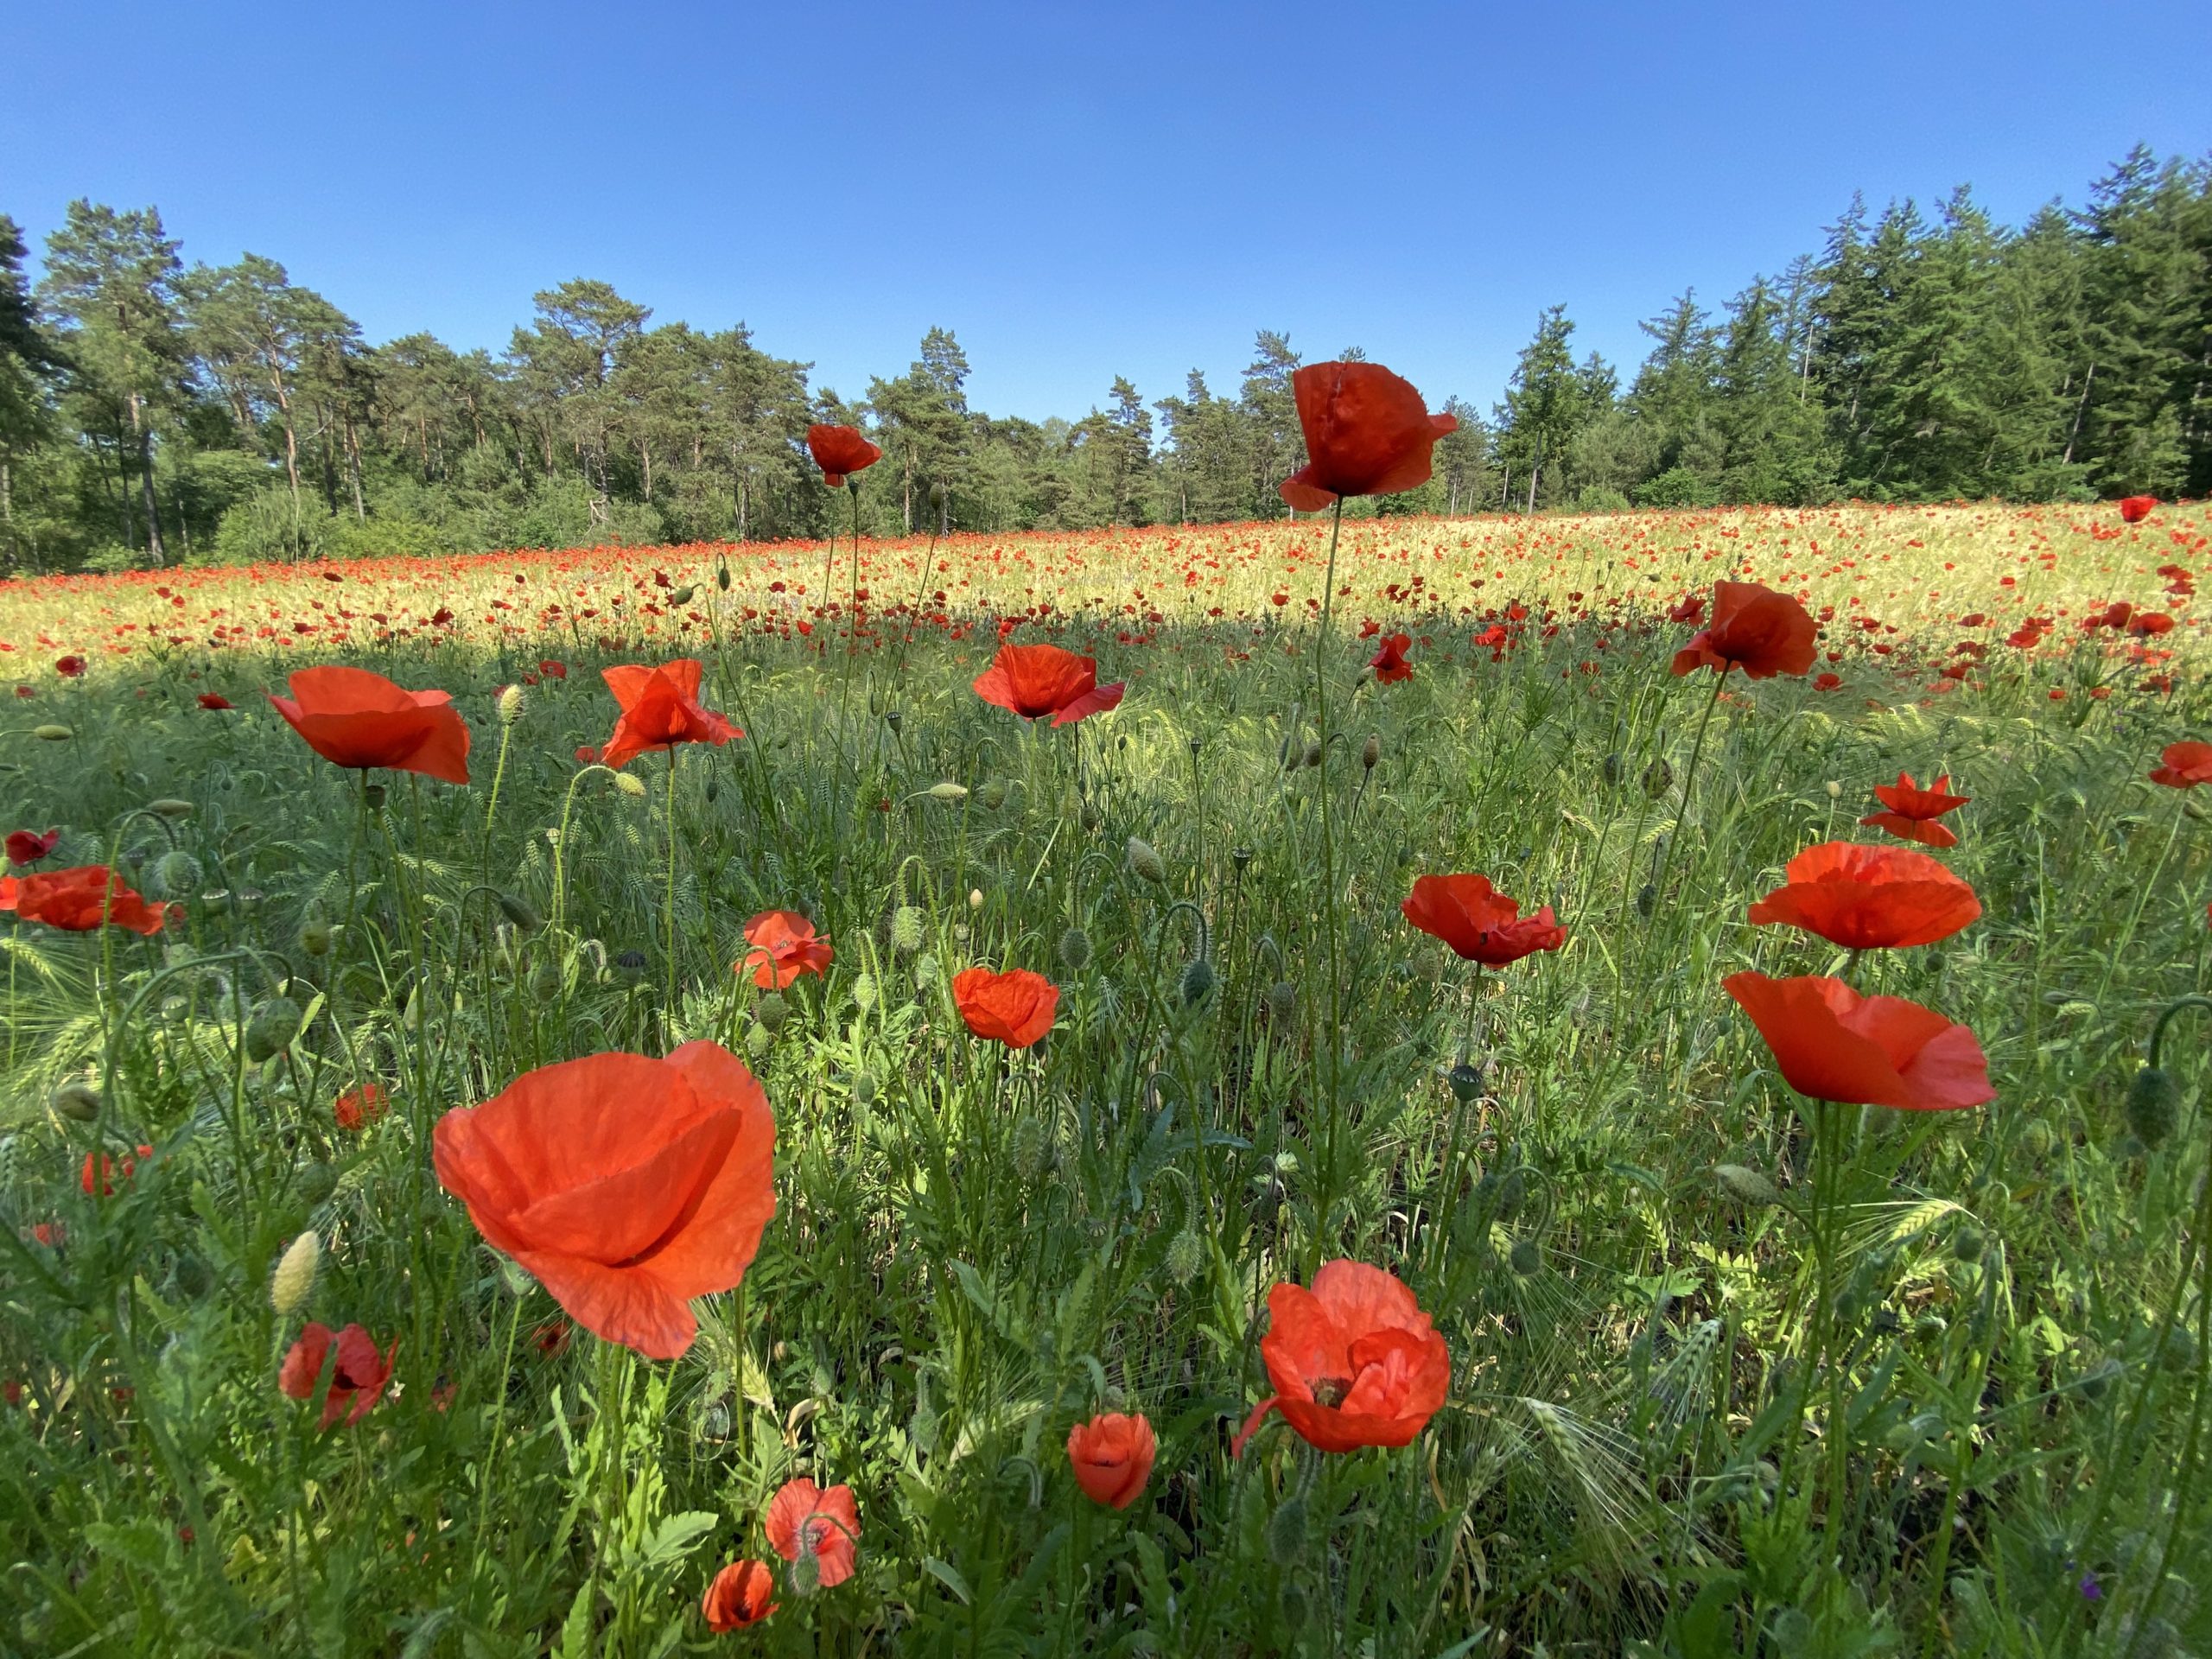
(1389, 662)
(553, 668)
(803, 1519)
(627, 1187)
(1035, 681)
(100, 1170)
(1015, 1008)
(78, 900)
(1753, 628)
(215, 700)
(1869, 898)
(839, 450)
(1367, 433)
(1833, 1044)
(742, 1593)
(357, 1384)
(1828, 683)
(359, 1108)
(70, 668)
(2134, 509)
(28, 846)
(660, 709)
(1354, 1361)
(1913, 811)
(358, 719)
(785, 945)
(1480, 923)
(2187, 765)
(1112, 1456)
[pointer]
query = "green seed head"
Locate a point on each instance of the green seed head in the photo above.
(1467, 1082)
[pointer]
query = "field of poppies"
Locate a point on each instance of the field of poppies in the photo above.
(1354, 1085)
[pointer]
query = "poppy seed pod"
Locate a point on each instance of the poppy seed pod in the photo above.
(1467, 1082)
(169, 807)
(1075, 949)
(76, 1100)
(2153, 1105)
(271, 1028)
(511, 702)
(51, 732)
(1658, 778)
(295, 1276)
(1370, 751)
(1144, 862)
(894, 719)
(374, 794)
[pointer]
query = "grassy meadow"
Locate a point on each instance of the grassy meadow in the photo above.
(1974, 1422)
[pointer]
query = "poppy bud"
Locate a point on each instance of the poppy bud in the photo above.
(628, 785)
(1526, 1257)
(2038, 1137)
(683, 596)
(771, 1011)
(1291, 1602)
(721, 576)
(864, 992)
(975, 898)
(1658, 778)
(1370, 751)
(713, 788)
(169, 807)
(1283, 1000)
(1198, 982)
(1075, 949)
(864, 1089)
(520, 912)
(1467, 1082)
(1091, 816)
(177, 874)
(52, 733)
(1966, 1244)
(545, 980)
(510, 704)
(1512, 1190)
(937, 495)
(906, 929)
(1187, 1254)
(1745, 1185)
(271, 1030)
(991, 795)
(948, 792)
(295, 1275)
(1144, 862)
(77, 1100)
(1647, 901)
(1835, 790)
(1028, 1147)
(756, 1041)
(317, 1182)
(1614, 767)
(191, 1275)
(374, 794)
(1313, 756)
(2153, 1105)
(1286, 1530)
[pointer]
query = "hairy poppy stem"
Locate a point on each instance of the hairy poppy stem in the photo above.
(1333, 1034)
(668, 911)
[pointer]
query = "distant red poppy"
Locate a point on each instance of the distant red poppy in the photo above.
(215, 700)
(742, 1593)
(1913, 811)
(1354, 1361)
(553, 668)
(1753, 628)
(1478, 921)
(100, 1170)
(1367, 433)
(2187, 765)
(1035, 681)
(28, 846)
(1015, 1008)
(2136, 508)
(1112, 1456)
(70, 668)
(803, 1519)
(356, 719)
(625, 1185)
(660, 709)
(1389, 662)
(77, 900)
(1827, 682)
(785, 945)
(1689, 608)
(357, 1108)
(356, 1384)
(1833, 1044)
(839, 450)
(1869, 898)
(552, 1338)
(587, 755)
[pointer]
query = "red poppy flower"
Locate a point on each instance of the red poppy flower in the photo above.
(553, 668)
(215, 700)
(1828, 683)
(625, 1185)
(2187, 765)
(587, 755)
(1689, 608)
(353, 718)
(100, 1170)
(1389, 662)
(840, 449)
(1354, 1361)
(742, 1593)
(1869, 898)
(1015, 1008)
(77, 900)
(1833, 1044)
(785, 945)
(1112, 1456)
(1478, 921)
(1753, 628)
(1367, 433)
(359, 1107)
(2134, 509)
(1913, 811)
(803, 1519)
(660, 709)
(70, 668)
(356, 1384)
(1035, 681)
(28, 846)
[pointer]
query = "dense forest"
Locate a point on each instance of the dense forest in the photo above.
(153, 412)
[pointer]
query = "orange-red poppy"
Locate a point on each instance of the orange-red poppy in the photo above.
(2136, 508)
(803, 1520)
(1912, 811)
(1478, 921)
(742, 1593)
(78, 900)
(839, 450)
(785, 945)
(2187, 765)
(100, 1170)
(1035, 681)
(353, 718)
(625, 1185)
(660, 709)
(1390, 660)
(214, 700)
(356, 1383)
(1015, 1008)
(28, 846)
(1753, 628)
(1367, 433)
(1869, 898)
(357, 1108)
(1112, 1456)
(1354, 1361)
(1833, 1044)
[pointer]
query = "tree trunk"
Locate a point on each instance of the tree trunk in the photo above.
(2088, 380)
(146, 482)
(646, 464)
(353, 467)
(1535, 472)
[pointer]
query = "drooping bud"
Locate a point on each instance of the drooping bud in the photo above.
(948, 791)
(169, 807)
(683, 596)
(1028, 1148)
(2153, 1105)
(975, 898)
(1286, 1530)
(1658, 778)
(1370, 751)
(1075, 949)
(1144, 862)
(1092, 816)
(1313, 755)
(1746, 1184)
(511, 701)
(295, 1275)
(629, 783)
(1835, 790)
(315, 934)
(271, 1028)
(1613, 770)
(76, 1100)
(721, 575)
(771, 1011)
(520, 912)
(1198, 980)
(1647, 901)
(1283, 1000)
(991, 795)
(177, 874)
(1187, 1254)
(906, 929)
(1526, 1257)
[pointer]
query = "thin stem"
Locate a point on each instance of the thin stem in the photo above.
(1333, 1032)
(668, 911)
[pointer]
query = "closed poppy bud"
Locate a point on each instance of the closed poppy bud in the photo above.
(272, 1027)
(948, 791)
(51, 732)
(1835, 790)
(1613, 770)
(721, 577)
(1313, 756)
(1187, 1254)
(1283, 1000)
(177, 874)
(509, 705)
(295, 1275)
(1745, 1185)
(1286, 1530)
(937, 495)
(771, 1011)
(1370, 751)
(1028, 1147)
(1091, 815)
(1112, 1456)
(630, 783)
(991, 795)
(1658, 778)
(373, 794)
(519, 911)
(2153, 1105)
(1075, 949)
(76, 1100)
(906, 929)
(1647, 901)
(1144, 862)
(1968, 1244)
(315, 937)
(1528, 1256)
(683, 596)
(714, 789)
(169, 807)
(975, 898)
(1197, 981)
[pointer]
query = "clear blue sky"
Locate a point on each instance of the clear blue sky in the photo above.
(1078, 191)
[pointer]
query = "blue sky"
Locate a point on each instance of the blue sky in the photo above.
(1076, 191)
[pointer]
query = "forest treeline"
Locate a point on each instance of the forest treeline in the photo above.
(155, 412)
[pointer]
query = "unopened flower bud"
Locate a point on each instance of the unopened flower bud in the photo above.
(295, 1275)
(169, 807)
(991, 795)
(948, 791)
(771, 1011)
(1283, 1000)
(51, 732)
(1075, 949)
(177, 874)
(1746, 1184)
(629, 785)
(77, 1100)
(683, 596)
(519, 911)
(375, 795)
(1526, 1257)
(721, 576)
(864, 1088)
(314, 935)
(511, 702)
(271, 1028)
(1187, 1254)
(1198, 980)
(906, 929)
(1092, 816)
(1313, 756)
(1835, 790)
(1286, 1530)
(1027, 1147)
(1370, 751)
(2153, 1105)
(1613, 770)
(1144, 862)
